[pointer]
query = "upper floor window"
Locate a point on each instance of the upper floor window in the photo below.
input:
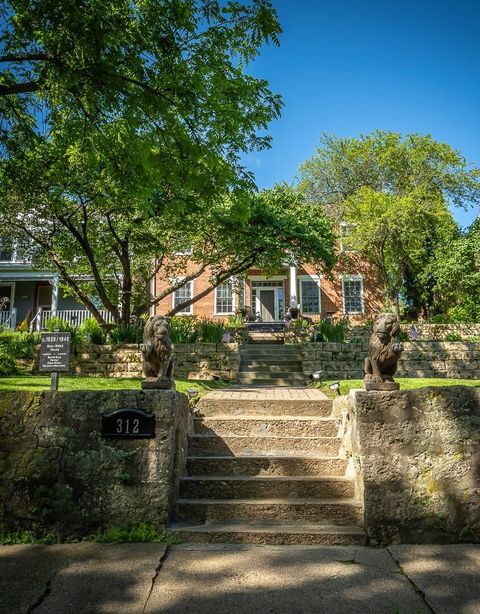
(353, 295)
(6, 250)
(309, 295)
(225, 298)
(181, 295)
(186, 251)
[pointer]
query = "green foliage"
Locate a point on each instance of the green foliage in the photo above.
(183, 329)
(26, 537)
(331, 331)
(394, 191)
(126, 333)
(456, 275)
(15, 345)
(453, 337)
(125, 129)
(141, 533)
(56, 323)
(92, 330)
(300, 323)
(210, 331)
(235, 321)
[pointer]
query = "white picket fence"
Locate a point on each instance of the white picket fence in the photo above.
(8, 319)
(75, 317)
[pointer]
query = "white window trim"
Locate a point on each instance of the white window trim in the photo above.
(362, 291)
(317, 280)
(345, 225)
(192, 286)
(188, 251)
(11, 304)
(234, 296)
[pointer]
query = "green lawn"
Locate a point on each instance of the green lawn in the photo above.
(405, 384)
(42, 382)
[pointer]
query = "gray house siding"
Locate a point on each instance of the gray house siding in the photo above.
(24, 299)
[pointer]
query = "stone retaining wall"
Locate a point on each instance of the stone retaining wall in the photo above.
(417, 456)
(57, 474)
(192, 361)
(419, 359)
(427, 332)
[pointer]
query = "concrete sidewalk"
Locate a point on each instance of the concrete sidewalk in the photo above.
(135, 578)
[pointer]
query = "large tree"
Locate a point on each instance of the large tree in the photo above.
(456, 277)
(395, 191)
(118, 118)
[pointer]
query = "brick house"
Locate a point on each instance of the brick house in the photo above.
(353, 290)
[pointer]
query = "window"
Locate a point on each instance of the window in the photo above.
(352, 289)
(309, 295)
(6, 250)
(186, 251)
(224, 298)
(183, 294)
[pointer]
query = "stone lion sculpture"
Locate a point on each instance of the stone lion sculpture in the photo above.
(157, 353)
(384, 351)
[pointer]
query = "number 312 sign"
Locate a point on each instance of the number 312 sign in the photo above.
(128, 423)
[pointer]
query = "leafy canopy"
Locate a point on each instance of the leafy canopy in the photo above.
(395, 192)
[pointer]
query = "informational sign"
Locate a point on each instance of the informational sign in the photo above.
(128, 424)
(55, 352)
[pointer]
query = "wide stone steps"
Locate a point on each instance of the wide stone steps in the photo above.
(263, 406)
(263, 426)
(213, 445)
(332, 510)
(265, 466)
(256, 366)
(241, 487)
(255, 532)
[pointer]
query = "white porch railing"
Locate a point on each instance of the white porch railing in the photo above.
(75, 317)
(8, 319)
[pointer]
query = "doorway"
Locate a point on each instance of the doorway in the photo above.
(267, 305)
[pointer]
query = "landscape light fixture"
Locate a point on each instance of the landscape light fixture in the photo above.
(335, 386)
(192, 393)
(316, 376)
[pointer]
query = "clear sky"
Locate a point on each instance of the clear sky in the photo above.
(349, 67)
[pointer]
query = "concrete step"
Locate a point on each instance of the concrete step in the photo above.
(271, 383)
(258, 367)
(271, 487)
(333, 511)
(274, 407)
(212, 445)
(269, 350)
(281, 361)
(264, 426)
(273, 534)
(266, 465)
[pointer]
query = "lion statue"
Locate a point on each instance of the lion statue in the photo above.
(157, 353)
(384, 350)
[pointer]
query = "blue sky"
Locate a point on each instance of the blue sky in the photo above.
(350, 67)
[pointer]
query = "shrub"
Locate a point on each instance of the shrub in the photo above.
(19, 344)
(8, 364)
(210, 331)
(91, 330)
(235, 321)
(453, 337)
(183, 329)
(126, 333)
(325, 330)
(56, 323)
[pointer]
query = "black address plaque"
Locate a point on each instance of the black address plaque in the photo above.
(128, 424)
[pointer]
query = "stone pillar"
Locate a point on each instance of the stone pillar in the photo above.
(293, 287)
(54, 283)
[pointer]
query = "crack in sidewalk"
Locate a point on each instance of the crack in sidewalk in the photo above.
(416, 588)
(154, 579)
(47, 590)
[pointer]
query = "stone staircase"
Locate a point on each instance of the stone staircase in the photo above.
(270, 365)
(267, 470)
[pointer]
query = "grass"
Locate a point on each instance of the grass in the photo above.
(37, 383)
(134, 534)
(405, 384)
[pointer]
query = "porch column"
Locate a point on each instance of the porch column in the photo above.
(293, 287)
(54, 283)
(241, 292)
